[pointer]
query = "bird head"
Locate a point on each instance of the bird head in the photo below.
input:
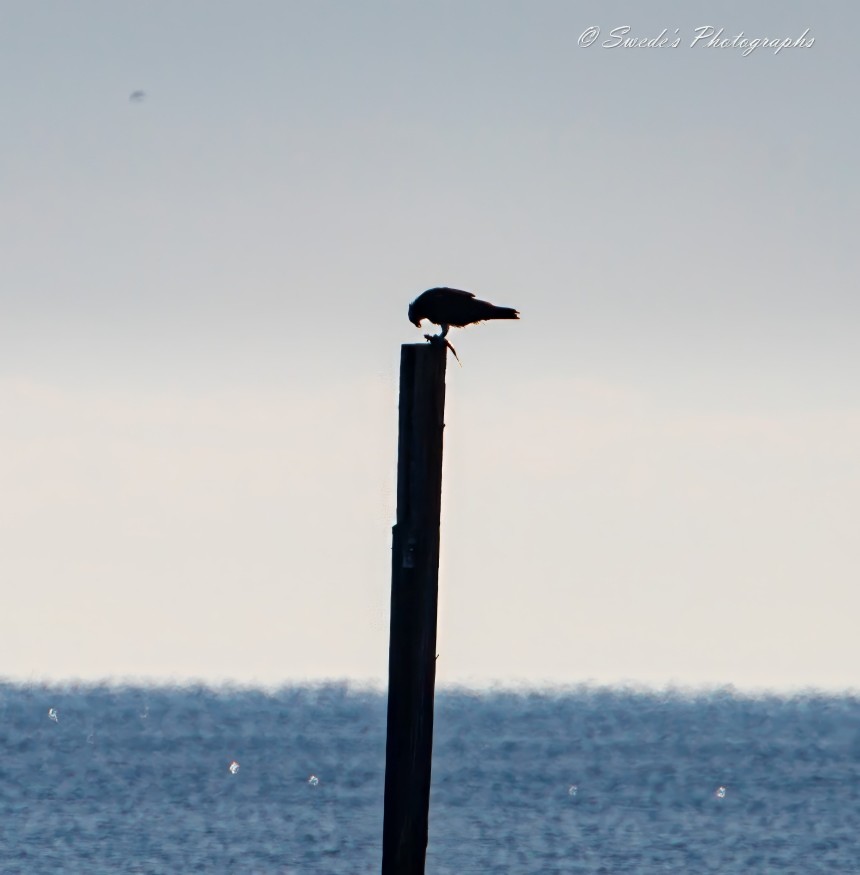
(414, 317)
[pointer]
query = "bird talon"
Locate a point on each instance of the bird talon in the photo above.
(440, 339)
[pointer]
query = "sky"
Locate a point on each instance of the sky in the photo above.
(653, 478)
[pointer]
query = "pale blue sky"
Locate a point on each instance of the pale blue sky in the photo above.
(653, 477)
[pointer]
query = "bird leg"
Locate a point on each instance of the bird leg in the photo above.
(441, 334)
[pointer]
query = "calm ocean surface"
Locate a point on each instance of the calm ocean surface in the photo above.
(100, 779)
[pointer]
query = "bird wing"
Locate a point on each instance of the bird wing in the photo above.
(454, 292)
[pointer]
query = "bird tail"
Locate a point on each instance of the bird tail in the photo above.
(503, 313)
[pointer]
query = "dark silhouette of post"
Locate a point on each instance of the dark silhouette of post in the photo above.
(414, 596)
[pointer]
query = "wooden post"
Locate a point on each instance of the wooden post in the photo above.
(414, 594)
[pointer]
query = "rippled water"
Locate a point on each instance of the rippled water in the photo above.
(157, 780)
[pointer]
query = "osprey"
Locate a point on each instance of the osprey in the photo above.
(447, 307)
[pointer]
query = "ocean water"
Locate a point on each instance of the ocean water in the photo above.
(181, 780)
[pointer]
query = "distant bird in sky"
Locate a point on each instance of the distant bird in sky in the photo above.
(137, 96)
(447, 307)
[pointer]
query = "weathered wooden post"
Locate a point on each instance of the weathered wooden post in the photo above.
(414, 595)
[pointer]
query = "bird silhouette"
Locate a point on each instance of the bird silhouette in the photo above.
(453, 307)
